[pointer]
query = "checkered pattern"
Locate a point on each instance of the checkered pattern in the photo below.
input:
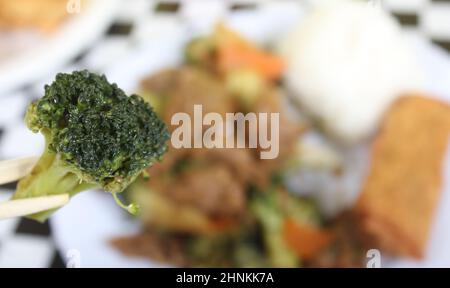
(27, 243)
(428, 17)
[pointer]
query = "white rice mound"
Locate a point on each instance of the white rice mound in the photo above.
(346, 62)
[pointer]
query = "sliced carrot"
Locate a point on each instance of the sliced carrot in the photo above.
(232, 57)
(234, 52)
(305, 240)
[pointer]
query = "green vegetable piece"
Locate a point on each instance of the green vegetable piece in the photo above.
(271, 219)
(96, 137)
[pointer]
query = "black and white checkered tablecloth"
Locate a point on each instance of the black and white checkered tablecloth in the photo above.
(24, 243)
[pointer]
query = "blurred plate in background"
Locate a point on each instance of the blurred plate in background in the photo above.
(26, 57)
(92, 219)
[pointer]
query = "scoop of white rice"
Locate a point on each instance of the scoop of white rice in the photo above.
(346, 62)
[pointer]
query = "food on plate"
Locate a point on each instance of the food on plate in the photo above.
(348, 247)
(346, 63)
(400, 195)
(226, 52)
(229, 208)
(212, 180)
(96, 137)
(255, 239)
(306, 240)
(43, 15)
(220, 207)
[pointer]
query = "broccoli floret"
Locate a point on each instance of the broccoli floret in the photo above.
(96, 137)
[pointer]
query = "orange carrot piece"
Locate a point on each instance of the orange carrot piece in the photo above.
(305, 240)
(232, 57)
(234, 52)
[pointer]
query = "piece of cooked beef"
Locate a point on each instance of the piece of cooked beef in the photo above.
(149, 244)
(348, 248)
(211, 189)
(215, 180)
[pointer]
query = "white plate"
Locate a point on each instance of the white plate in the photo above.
(35, 56)
(92, 219)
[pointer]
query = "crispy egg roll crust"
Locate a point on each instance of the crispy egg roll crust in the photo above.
(401, 192)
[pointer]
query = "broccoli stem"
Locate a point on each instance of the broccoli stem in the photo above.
(50, 176)
(132, 208)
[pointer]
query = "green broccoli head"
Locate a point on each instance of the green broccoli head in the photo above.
(96, 136)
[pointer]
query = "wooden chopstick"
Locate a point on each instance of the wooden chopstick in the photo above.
(14, 169)
(22, 207)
